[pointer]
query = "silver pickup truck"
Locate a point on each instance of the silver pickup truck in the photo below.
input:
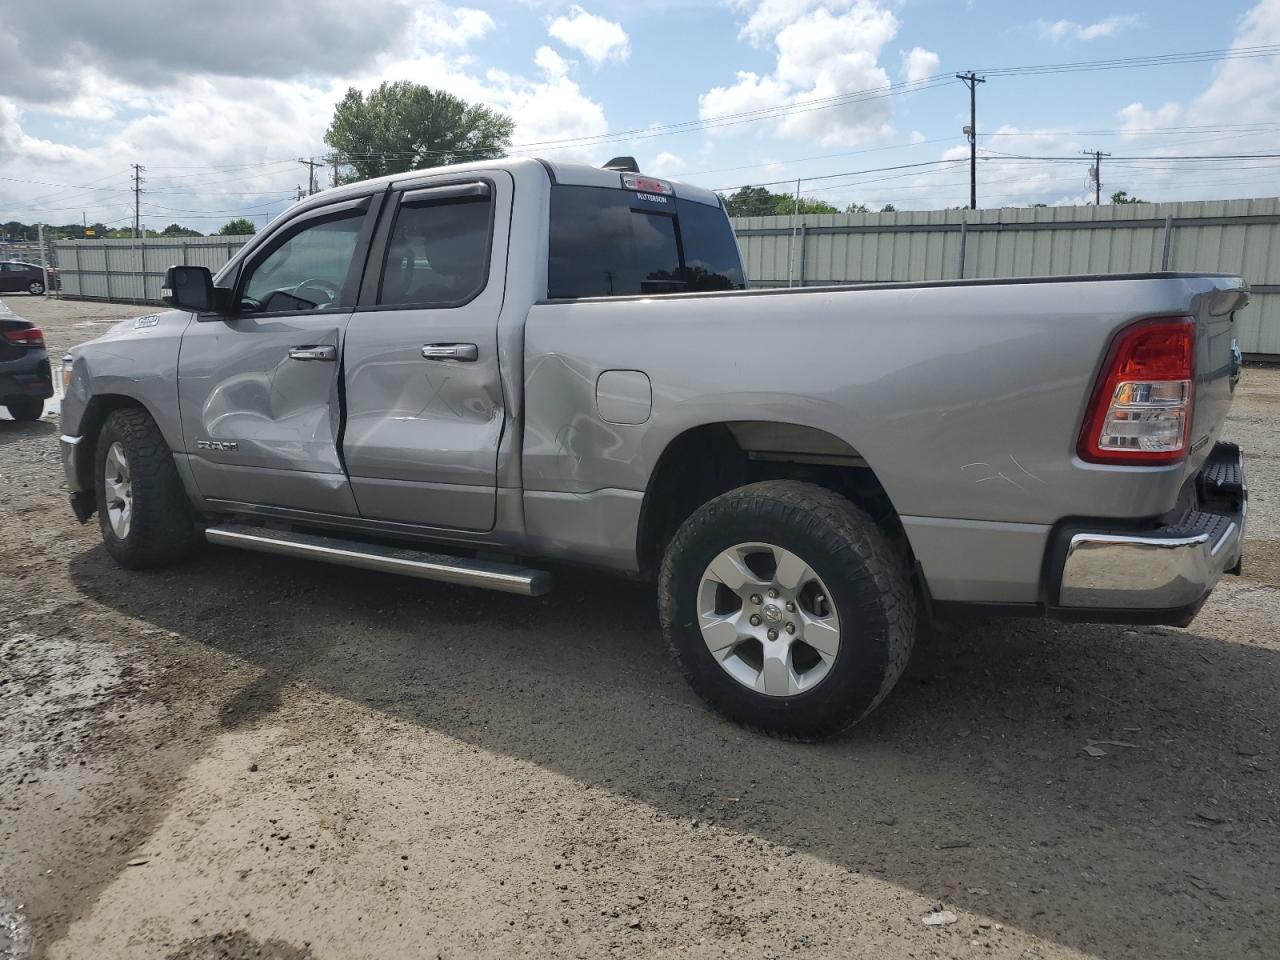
(468, 373)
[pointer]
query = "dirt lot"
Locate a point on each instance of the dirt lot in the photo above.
(257, 757)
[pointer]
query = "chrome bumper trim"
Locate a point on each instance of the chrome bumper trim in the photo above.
(1153, 570)
(70, 447)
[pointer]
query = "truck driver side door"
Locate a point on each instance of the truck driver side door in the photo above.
(259, 386)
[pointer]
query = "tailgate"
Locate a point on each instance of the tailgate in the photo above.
(1217, 364)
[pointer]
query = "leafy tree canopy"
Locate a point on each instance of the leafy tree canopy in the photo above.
(407, 126)
(240, 226)
(760, 202)
(18, 232)
(1121, 196)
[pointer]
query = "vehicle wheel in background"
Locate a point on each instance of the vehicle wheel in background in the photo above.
(29, 409)
(788, 608)
(35, 288)
(143, 511)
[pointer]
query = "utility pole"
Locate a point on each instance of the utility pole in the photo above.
(971, 80)
(334, 160)
(311, 165)
(137, 197)
(301, 193)
(44, 260)
(1095, 174)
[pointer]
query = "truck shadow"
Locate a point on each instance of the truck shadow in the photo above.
(971, 785)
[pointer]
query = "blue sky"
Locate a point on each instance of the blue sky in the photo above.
(218, 113)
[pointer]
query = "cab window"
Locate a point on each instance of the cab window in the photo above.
(438, 252)
(307, 272)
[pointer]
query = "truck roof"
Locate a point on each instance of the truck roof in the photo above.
(576, 174)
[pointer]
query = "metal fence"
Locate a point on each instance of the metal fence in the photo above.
(133, 270)
(1227, 236)
(27, 251)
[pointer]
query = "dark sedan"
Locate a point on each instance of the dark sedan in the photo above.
(26, 380)
(19, 277)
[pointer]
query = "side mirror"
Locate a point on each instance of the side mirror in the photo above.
(189, 288)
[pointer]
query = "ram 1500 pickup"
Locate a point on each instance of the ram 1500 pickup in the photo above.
(472, 373)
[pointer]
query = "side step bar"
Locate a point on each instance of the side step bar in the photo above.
(490, 575)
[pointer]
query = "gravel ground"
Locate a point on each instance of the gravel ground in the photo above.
(256, 757)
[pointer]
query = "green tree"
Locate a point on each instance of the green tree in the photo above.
(241, 226)
(1121, 196)
(759, 202)
(178, 230)
(406, 126)
(888, 208)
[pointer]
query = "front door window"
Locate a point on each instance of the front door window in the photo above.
(309, 271)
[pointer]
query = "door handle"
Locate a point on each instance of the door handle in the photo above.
(459, 352)
(322, 352)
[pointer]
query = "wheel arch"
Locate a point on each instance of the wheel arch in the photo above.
(712, 458)
(96, 411)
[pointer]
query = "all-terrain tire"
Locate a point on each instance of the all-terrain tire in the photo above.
(867, 575)
(28, 409)
(161, 527)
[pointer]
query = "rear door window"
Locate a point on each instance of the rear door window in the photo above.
(438, 252)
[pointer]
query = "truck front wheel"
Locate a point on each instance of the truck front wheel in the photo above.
(787, 608)
(143, 512)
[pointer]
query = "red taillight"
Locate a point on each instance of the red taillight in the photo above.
(26, 337)
(1140, 413)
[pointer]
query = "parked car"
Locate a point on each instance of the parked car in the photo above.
(25, 378)
(556, 363)
(19, 277)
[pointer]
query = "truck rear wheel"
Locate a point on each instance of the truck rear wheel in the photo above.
(787, 608)
(143, 512)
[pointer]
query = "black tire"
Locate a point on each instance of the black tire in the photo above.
(161, 527)
(869, 580)
(28, 409)
(35, 288)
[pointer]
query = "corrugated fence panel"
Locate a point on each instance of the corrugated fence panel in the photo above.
(133, 270)
(1235, 236)
(1219, 236)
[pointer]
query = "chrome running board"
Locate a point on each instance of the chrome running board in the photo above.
(487, 574)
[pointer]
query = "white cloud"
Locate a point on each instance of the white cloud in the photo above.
(919, 64)
(666, 164)
(200, 131)
(550, 62)
(594, 37)
(438, 26)
(1060, 31)
(825, 49)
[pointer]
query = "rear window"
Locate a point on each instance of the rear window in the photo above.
(615, 243)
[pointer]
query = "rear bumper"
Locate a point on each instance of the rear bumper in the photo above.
(1161, 574)
(27, 377)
